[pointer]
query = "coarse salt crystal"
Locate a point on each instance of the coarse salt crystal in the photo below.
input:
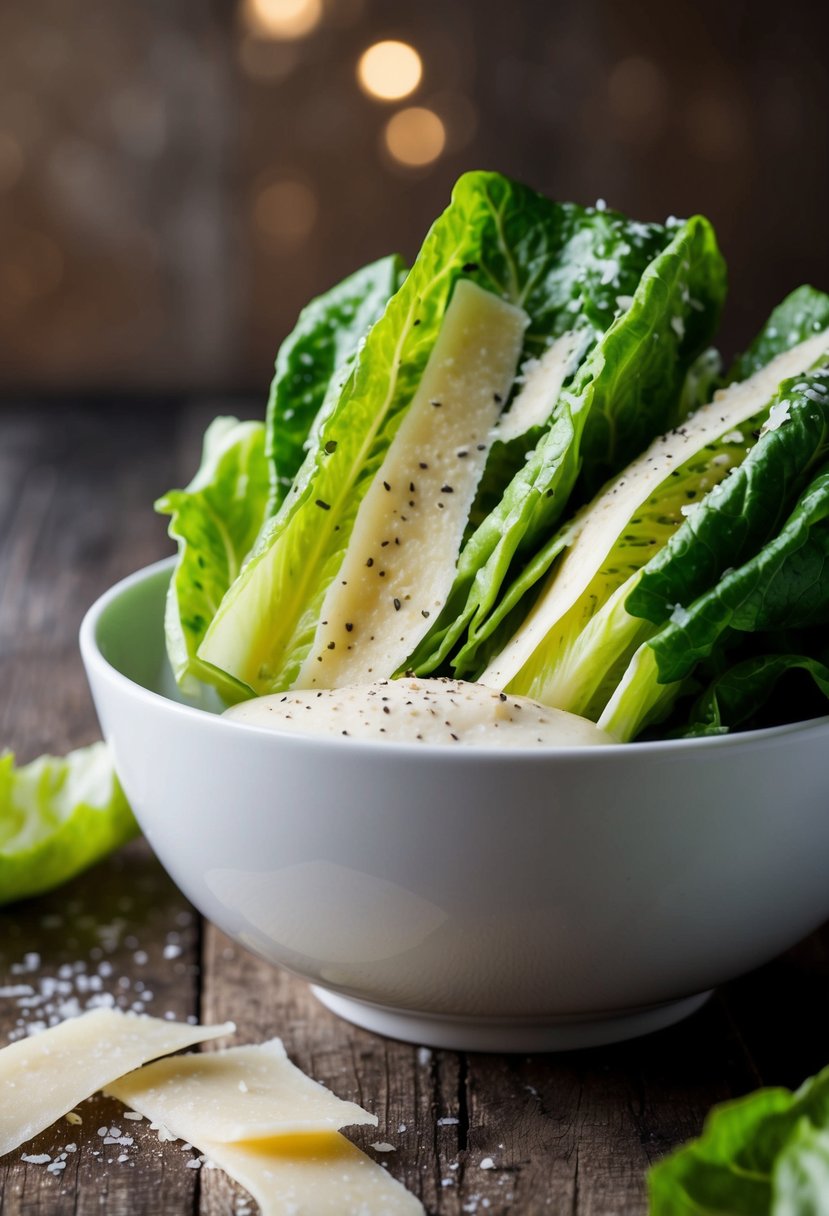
(487, 1164)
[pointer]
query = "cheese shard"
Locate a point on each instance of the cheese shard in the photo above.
(291, 1164)
(322, 1175)
(403, 550)
(593, 533)
(243, 1093)
(47, 1075)
(542, 385)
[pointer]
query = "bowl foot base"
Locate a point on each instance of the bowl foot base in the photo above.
(509, 1034)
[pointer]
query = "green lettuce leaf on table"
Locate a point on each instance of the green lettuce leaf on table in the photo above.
(567, 268)
(57, 817)
(763, 1155)
(314, 361)
(215, 521)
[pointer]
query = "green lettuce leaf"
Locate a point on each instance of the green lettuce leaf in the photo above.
(732, 522)
(735, 696)
(625, 393)
(800, 1183)
(314, 361)
(785, 585)
(215, 521)
(58, 816)
(763, 1155)
(801, 314)
(508, 240)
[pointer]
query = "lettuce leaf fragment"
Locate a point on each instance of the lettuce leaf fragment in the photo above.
(58, 815)
(215, 521)
(766, 1154)
(314, 361)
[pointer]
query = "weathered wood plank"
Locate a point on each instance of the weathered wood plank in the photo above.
(571, 1133)
(76, 490)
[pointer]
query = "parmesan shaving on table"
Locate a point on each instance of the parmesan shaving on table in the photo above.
(268, 1126)
(243, 1093)
(47, 1075)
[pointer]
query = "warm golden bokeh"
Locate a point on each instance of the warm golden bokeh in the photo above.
(415, 136)
(282, 18)
(178, 179)
(389, 70)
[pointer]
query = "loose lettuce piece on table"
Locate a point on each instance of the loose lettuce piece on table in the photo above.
(505, 238)
(626, 391)
(763, 1155)
(314, 361)
(57, 817)
(215, 521)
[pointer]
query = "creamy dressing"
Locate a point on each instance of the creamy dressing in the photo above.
(412, 710)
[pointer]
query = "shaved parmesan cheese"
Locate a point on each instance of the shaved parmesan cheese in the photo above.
(533, 405)
(401, 557)
(199, 1100)
(42, 1078)
(323, 1175)
(596, 530)
(243, 1093)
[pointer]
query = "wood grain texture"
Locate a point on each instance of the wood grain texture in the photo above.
(566, 1134)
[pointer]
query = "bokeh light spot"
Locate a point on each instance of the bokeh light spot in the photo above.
(285, 212)
(283, 19)
(415, 136)
(389, 70)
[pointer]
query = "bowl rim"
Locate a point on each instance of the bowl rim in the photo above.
(95, 661)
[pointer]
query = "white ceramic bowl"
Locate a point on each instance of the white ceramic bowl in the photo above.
(489, 900)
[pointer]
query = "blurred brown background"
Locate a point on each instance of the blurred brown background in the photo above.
(177, 177)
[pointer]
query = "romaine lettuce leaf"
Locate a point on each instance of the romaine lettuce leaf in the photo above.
(804, 312)
(730, 524)
(58, 816)
(785, 585)
(626, 391)
(215, 521)
(575, 643)
(508, 240)
(763, 1155)
(735, 696)
(314, 361)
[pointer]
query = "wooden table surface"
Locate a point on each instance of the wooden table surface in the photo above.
(567, 1134)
